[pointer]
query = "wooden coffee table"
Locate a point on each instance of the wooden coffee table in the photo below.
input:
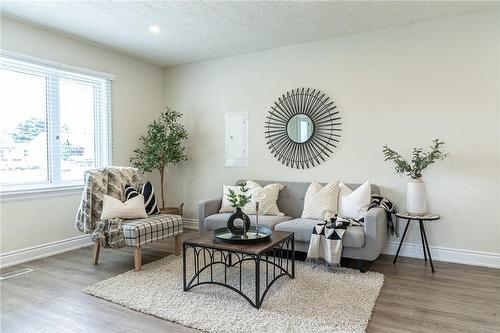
(275, 257)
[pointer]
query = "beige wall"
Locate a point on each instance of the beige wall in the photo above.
(138, 97)
(402, 87)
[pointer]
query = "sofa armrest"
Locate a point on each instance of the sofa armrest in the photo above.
(376, 232)
(206, 208)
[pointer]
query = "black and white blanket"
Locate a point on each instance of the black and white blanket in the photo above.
(326, 238)
(390, 209)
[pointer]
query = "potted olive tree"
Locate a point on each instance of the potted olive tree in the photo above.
(416, 202)
(161, 145)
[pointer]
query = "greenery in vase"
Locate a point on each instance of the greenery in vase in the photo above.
(239, 200)
(161, 145)
(420, 159)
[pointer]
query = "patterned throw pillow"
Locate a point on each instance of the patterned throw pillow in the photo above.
(267, 197)
(321, 202)
(148, 191)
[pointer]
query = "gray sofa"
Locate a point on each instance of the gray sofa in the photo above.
(362, 244)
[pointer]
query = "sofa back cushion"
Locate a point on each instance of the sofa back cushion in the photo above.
(321, 202)
(291, 198)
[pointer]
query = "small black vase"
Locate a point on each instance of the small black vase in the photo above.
(236, 230)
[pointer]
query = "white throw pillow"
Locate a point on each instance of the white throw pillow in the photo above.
(226, 204)
(266, 196)
(321, 202)
(130, 209)
(354, 204)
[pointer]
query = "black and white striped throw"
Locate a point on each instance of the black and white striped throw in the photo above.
(148, 191)
(390, 209)
(326, 240)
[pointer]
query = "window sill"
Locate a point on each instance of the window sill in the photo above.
(21, 192)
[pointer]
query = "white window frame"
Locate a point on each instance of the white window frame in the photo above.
(102, 124)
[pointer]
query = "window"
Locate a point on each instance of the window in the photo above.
(54, 123)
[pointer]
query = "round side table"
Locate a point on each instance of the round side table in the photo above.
(425, 243)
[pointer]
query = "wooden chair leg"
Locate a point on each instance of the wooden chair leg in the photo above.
(137, 258)
(95, 255)
(177, 249)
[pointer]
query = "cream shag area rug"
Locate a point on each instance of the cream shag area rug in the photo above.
(317, 300)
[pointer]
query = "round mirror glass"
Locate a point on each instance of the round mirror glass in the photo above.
(300, 128)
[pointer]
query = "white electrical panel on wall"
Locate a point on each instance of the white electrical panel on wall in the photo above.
(236, 139)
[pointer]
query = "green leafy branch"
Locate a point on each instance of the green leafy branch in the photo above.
(239, 200)
(420, 159)
(162, 145)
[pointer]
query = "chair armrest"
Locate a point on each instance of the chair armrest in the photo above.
(376, 232)
(206, 208)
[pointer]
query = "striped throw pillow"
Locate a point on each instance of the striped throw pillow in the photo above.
(148, 191)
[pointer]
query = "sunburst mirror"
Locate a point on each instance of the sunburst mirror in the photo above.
(302, 128)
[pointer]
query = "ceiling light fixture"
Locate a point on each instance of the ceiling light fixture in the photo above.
(154, 29)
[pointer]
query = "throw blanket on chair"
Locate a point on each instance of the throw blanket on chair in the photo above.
(110, 181)
(326, 240)
(109, 233)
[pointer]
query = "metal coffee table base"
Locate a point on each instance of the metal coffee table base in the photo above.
(279, 261)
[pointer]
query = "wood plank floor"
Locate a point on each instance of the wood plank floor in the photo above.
(458, 298)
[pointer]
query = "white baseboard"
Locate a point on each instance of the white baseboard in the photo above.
(467, 257)
(191, 224)
(49, 249)
(42, 251)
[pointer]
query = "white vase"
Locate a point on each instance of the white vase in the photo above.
(416, 203)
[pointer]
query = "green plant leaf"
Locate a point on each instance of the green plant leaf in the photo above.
(239, 200)
(420, 159)
(162, 145)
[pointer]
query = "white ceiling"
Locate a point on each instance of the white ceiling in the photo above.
(196, 31)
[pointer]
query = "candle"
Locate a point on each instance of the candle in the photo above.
(257, 217)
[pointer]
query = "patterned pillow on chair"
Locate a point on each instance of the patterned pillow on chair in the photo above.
(148, 191)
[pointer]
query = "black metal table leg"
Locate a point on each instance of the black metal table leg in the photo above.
(257, 282)
(402, 240)
(184, 267)
(255, 300)
(293, 257)
(427, 246)
(422, 237)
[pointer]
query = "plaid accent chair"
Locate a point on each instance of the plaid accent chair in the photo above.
(136, 232)
(149, 230)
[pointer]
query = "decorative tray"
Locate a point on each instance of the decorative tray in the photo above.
(224, 235)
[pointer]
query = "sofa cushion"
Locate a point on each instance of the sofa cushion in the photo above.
(151, 229)
(354, 204)
(215, 221)
(353, 237)
(291, 198)
(321, 202)
(266, 197)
